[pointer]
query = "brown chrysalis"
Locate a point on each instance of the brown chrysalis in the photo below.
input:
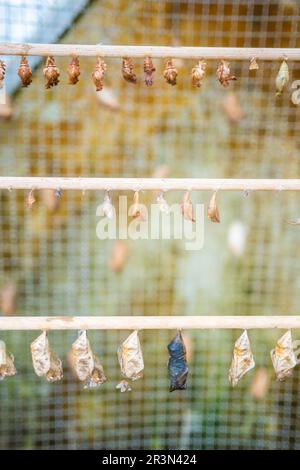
(127, 70)
(24, 72)
(223, 73)
(98, 74)
(149, 69)
(74, 70)
(170, 72)
(51, 73)
(198, 73)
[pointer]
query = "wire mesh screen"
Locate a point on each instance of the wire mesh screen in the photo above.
(53, 263)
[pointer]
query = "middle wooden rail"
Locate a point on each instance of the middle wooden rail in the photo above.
(156, 184)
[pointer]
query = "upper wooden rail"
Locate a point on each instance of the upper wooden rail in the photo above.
(234, 53)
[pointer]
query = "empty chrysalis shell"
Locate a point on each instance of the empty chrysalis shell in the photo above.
(253, 64)
(107, 207)
(162, 204)
(242, 359)
(198, 73)
(86, 365)
(223, 73)
(131, 360)
(137, 210)
(213, 211)
(282, 78)
(30, 200)
(187, 207)
(177, 365)
(283, 356)
(51, 73)
(170, 72)
(45, 362)
(7, 367)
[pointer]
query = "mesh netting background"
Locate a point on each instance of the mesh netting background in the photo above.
(53, 259)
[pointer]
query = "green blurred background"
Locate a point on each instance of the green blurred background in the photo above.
(53, 264)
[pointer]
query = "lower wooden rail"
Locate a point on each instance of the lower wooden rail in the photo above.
(148, 322)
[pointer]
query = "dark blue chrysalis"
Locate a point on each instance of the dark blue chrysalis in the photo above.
(177, 365)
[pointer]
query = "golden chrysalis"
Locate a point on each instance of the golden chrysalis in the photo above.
(282, 78)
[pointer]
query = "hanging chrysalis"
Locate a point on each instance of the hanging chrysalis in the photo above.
(24, 72)
(2, 73)
(223, 73)
(51, 73)
(98, 74)
(170, 72)
(7, 367)
(86, 365)
(213, 211)
(136, 210)
(30, 200)
(131, 361)
(162, 204)
(107, 207)
(253, 64)
(242, 359)
(177, 365)
(232, 107)
(294, 222)
(119, 256)
(282, 78)
(45, 362)
(283, 356)
(74, 71)
(127, 70)
(8, 295)
(149, 69)
(198, 73)
(187, 207)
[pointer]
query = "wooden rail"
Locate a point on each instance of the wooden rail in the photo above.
(234, 53)
(156, 184)
(149, 322)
